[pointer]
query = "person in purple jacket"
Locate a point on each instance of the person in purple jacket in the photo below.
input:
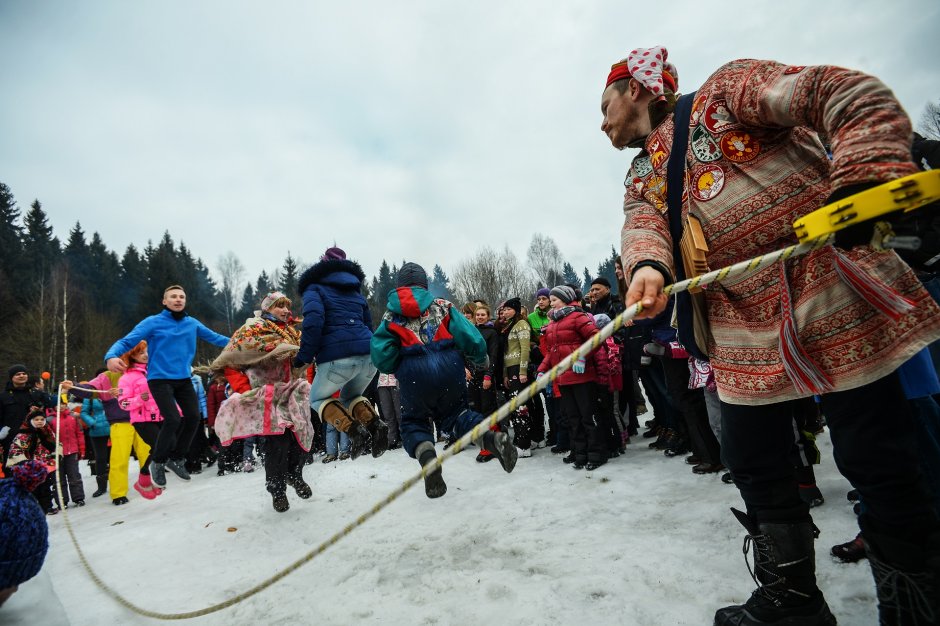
(171, 339)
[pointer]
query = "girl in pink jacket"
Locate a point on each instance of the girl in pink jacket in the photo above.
(135, 398)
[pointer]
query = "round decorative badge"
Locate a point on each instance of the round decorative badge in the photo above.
(718, 117)
(739, 147)
(707, 182)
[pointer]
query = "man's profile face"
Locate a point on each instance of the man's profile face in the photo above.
(621, 118)
(597, 292)
(175, 300)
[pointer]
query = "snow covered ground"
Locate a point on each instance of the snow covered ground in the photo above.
(640, 541)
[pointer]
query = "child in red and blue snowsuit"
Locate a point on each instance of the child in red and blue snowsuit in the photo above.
(424, 345)
(72, 440)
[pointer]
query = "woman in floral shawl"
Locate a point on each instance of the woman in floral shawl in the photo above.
(268, 399)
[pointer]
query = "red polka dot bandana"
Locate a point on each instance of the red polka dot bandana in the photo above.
(649, 67)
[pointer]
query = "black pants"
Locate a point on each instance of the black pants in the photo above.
(70, 480)
(481, 400)
(873, 443)
(691, 405)
(580, 403)
(102, 459)
(198, 445)
(150, 433)
(654, 383)
(177, 431)
(390, 409)
(283, 461)
(521, 419)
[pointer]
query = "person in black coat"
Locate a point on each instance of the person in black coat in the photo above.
(15, 403)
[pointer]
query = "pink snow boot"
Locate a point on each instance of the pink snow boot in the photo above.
(145, 487)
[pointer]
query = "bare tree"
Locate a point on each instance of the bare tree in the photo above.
(545, 259)
(930, 121)
(492, 276)
(233, 275)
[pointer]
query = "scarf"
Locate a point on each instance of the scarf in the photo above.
(557, 314)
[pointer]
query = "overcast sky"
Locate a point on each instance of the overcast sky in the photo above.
(415, 130)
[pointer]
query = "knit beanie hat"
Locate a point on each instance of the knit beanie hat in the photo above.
(271, 298)
(412, 274)
(333, 254)
(601, 320)
(544, 291)
(24, 535)
(16, 369)
(564, 293)
(513, 303)
(600, 280)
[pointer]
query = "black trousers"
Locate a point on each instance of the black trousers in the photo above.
(521, 420)
(872, 435)
(177, 431)
(102, 458)
(580, 404)
(150, 433)
(283, 461)
(691, 405)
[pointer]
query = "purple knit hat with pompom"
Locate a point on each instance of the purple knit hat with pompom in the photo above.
(24, 534)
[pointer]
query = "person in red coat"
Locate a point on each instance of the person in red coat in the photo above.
(72, 440)
(570, 326)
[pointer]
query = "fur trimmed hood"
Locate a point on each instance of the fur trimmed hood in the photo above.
(323, 271)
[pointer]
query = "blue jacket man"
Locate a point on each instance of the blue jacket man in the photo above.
(171, 343)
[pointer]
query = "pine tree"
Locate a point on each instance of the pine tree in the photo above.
(263, 285)
(289, 273)
(439, 284)
(586, 285)
(248, 304)
(133, 283)
(41, 250)
(568, 275)
(607, 269)
(11, 255)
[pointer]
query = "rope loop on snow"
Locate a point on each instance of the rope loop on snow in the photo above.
(738, 269)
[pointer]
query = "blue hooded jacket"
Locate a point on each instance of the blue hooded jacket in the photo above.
(337, 323)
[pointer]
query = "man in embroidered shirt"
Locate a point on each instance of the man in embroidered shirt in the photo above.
(753, 165)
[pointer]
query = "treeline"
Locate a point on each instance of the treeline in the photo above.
(63, 304)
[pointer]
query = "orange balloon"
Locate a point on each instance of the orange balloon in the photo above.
(46, 375)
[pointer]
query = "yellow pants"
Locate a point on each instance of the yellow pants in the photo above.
(123, 438)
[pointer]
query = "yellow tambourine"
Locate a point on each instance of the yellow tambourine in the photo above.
(907, 194)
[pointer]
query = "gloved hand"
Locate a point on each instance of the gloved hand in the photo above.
(539, 375)
(298, 364)
(578, 367)
(4, 432)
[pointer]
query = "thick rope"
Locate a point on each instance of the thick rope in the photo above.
(744, 267)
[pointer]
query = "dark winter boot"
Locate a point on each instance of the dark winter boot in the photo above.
(434, 485)
(336, 414)
(850, 551)
(500, 445)
(300, 486)
(364, 413)
(102, 487)
(277, 487)
(785, 573)
(906, 578)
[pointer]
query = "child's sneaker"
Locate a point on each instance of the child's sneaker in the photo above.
(158, 474)
(329, 458)
(501, 445)
(343, 456)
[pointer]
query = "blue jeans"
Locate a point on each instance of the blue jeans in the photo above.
(349, 376)
(331, 439)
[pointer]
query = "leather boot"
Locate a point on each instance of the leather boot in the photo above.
(500, 445)
(102, 486)
(434, 485)
(785, 573)
(906, 578)
(364, 413)
(333, 412)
